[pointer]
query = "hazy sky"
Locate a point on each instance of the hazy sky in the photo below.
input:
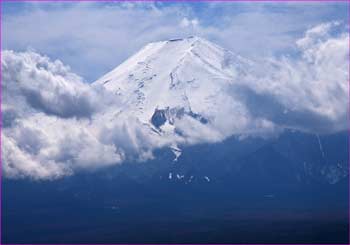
(93, 38)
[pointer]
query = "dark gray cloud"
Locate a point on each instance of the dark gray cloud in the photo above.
(63, 105)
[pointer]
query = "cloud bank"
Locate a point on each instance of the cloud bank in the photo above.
(47, 112)
(309, 92)
(55, 124)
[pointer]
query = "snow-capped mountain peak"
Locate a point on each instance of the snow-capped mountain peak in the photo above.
(169, 79)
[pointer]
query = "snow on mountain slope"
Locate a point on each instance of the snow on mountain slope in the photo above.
(181, 86)
(162, 74)
(167, 66)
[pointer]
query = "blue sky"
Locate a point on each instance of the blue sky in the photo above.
(93, 38)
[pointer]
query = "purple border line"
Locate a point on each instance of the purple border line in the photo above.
(0, 125)
(349, 122)
(270, 1)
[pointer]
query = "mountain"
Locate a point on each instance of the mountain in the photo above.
(180, 89)
(206, 168)
(174, 77)
(183, 90)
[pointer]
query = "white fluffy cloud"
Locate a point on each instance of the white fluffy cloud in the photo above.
(309, 92)
(56, 124)
(47, 113)
(31, 80)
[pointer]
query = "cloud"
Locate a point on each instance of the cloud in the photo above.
(47, 112)
(56, 124)
(17, 163)
(185, 22)
(308, 91)
(46, 147)
(46, 86)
